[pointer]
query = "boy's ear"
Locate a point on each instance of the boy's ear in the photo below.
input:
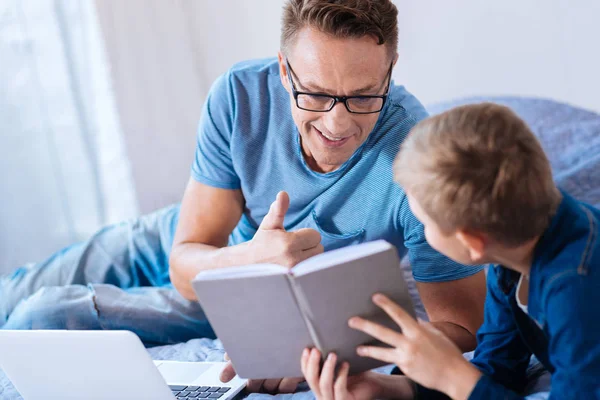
(474, 243)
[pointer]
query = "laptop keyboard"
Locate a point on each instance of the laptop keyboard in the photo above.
(198, 392)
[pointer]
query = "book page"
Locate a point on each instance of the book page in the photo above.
(340, 256)
(243, 271)
(259, 323)
(331, 296)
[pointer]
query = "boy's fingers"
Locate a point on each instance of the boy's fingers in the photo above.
(428, 326)
(341, 383)
(407, 323)
(380, 332)
(327, 375)
(378, 353)
(304, 361)
(312, 371)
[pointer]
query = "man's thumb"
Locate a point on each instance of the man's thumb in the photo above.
(276, 214)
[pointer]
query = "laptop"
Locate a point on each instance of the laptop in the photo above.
(114, 365)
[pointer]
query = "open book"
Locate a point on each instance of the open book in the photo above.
(266, 314)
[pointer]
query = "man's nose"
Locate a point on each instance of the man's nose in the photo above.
(339, 120)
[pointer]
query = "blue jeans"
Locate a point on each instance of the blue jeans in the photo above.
(118, 279)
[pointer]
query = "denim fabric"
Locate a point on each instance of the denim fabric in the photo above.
(118, 279)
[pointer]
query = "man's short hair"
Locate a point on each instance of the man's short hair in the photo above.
(341, 19)
(479, 168)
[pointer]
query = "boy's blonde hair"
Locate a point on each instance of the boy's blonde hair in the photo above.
(479, 168)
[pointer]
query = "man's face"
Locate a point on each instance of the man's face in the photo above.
(339, 67)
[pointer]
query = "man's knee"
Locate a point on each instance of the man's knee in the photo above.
(67, 307)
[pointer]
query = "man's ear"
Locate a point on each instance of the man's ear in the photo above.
(474, 243)
(283, 71)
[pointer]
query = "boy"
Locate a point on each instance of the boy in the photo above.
(480, 183)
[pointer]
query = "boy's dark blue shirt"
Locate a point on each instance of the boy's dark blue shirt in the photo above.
(563, 325)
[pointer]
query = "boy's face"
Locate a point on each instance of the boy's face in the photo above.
(446, 243)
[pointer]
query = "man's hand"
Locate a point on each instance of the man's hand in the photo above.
(272, 244)
(423, 353)
(326, 386)
(285, 385)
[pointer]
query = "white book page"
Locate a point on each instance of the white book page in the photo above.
(340, 256)
(243, 271)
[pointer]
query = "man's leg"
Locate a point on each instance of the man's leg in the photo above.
(103, 284)
(158, 315)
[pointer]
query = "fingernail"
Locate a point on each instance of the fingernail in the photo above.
(360, 350)
(304, 352)
(352, 322)
(330, 356)
(377, 298)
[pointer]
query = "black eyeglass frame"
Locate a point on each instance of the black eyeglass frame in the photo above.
(339, 99)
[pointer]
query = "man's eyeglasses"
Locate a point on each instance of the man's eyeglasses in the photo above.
(318, 102)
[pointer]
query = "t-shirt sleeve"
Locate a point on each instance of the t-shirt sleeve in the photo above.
(213, 164)
(427, 264)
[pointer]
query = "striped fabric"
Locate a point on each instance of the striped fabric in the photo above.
(247, 139)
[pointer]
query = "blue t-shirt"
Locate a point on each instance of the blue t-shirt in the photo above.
(248, 140)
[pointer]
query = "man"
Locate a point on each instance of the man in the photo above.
(332, 155)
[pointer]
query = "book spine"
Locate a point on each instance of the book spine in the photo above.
(305, 311)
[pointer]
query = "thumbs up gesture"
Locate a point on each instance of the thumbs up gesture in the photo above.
(272, 244)
(274, 218)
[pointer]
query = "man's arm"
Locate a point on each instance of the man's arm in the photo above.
(456, 307)
(213, 202)
(208, 215)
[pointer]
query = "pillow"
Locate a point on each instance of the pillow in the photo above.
(569, 135)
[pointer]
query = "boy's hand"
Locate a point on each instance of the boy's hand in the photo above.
(326, 386)
(422, 352)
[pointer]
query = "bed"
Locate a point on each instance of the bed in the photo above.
(571, 138)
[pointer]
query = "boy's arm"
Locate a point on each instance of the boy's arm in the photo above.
(573, 320)
(501, 354)
(431, 359)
